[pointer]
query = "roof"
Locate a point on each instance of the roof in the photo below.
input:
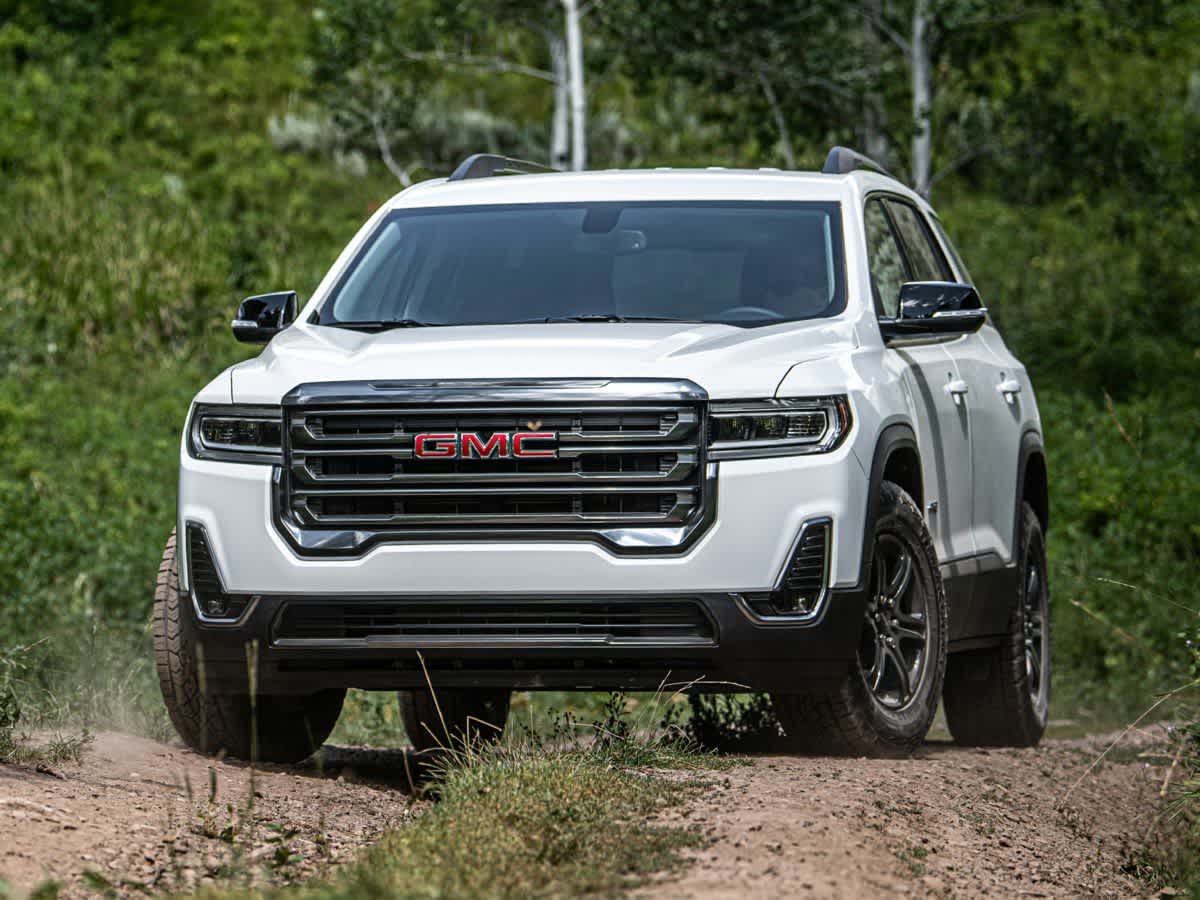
(633, 185)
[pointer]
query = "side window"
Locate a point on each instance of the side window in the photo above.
(924, 258)
(885, 259)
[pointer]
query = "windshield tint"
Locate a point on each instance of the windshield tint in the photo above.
(738, 263)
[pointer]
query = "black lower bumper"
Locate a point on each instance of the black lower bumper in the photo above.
(734, 653)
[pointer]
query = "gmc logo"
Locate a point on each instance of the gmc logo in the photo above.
(470, 445)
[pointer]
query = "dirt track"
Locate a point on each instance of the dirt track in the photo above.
(950, 822)
(138, 813)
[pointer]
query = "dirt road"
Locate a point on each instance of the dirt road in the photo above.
(139, 814)
(951, 822)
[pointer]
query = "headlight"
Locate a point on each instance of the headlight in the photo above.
(757, 428)
(236, 433)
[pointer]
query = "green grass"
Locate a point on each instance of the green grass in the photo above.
(534, 816)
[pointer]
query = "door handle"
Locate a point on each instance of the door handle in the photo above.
(1009, 388)
(956, 388)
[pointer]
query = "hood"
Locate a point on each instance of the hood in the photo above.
(727, 361)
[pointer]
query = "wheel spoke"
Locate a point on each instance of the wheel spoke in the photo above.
(875, 676)
(900, 578)
(901, 631)
(902, 674)
(1033, 669)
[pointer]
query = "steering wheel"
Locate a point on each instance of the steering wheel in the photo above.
(749, 312)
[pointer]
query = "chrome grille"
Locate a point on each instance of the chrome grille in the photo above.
(617, 464)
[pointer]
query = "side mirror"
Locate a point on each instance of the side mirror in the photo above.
(262, 317)
(932, 308)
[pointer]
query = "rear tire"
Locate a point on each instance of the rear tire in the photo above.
(885, 703)
(459, 716)
(1000, 696)
(289, 728)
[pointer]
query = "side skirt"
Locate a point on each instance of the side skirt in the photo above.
(981, 592)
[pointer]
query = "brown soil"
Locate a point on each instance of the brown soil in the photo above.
(138, 815)
(950, 822)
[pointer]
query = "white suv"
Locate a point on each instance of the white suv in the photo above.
(739, 430)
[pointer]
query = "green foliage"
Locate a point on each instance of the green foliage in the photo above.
(161, 160)
(1124, 538)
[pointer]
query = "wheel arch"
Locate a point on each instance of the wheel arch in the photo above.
(896, 459)
(1033, 485)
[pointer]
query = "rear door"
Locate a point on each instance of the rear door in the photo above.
(934, 383)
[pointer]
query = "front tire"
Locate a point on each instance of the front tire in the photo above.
(1000, 696)
(885, 703)
(453, 718)
(281, 729)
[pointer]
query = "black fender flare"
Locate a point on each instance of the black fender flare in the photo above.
(899, 435)
(1031, 446)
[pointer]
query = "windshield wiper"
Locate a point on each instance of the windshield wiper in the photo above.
(614, 317)
(382, 324)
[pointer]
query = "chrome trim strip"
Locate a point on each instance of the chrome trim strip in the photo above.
(819, 606)
(191, 591)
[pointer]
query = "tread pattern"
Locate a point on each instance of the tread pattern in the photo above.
(469, 712)
(289, 728)
(986, 697)
(844, 720)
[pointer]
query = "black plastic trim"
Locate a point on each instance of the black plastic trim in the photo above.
(1031, 445)
(746, 655)
(843, 161)
(485, 165)
(894, 437)
(194, 531)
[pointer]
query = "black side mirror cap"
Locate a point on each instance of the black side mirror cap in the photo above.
(263, 316)
(933, 308)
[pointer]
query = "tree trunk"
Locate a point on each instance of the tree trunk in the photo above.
(922, 97)
(874, 116)
(576, 88)
(560, 147)
(781, 126)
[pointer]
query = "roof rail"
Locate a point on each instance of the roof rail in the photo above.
(842, 160)
(484, 165)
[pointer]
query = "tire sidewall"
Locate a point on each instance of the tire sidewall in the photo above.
(899, 516)
(1033, 545)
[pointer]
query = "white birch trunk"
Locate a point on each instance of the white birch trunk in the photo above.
(922, 97)
(578, 93)
(874, 116)
(781, 126)
(560, 146)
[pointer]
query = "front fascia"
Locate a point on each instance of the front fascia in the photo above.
(762, 505)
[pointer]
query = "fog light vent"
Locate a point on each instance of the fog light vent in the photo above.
(804, 581)
(801, 588)
(211, 599)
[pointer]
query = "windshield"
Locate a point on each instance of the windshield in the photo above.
(742, 264)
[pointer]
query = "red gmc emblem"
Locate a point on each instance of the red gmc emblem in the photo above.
(471, 445)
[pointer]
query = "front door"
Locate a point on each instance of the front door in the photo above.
(935, 384)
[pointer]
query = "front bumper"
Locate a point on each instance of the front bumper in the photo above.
(762, 505)
(742, 655)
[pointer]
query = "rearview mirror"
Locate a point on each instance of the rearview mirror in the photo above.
(931, 308)
(261, 317)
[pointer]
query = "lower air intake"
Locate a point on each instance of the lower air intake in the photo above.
(427, 623)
